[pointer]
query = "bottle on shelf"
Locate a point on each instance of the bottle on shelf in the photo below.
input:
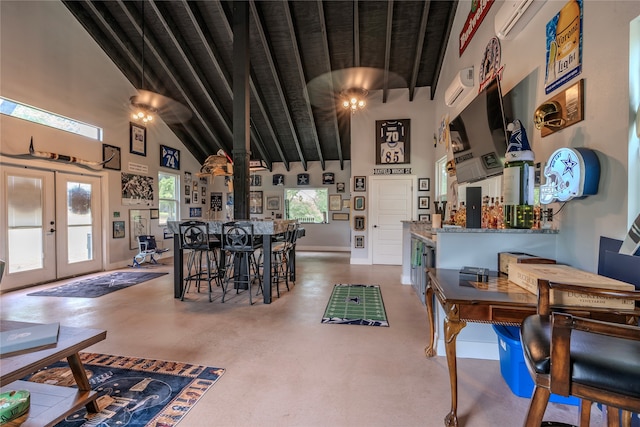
(518, 180)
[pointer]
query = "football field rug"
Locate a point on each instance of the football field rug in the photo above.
(133, 391)
(356, 305)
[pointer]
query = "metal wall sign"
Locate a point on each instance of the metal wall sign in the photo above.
(392, 171)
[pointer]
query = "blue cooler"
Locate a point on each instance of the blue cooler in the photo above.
(513, 368)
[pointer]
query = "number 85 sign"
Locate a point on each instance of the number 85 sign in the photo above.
(392, 141)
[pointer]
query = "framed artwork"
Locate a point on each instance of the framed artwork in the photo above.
(255, 180)
(255, 202)
(118, 229)
(273, 203)
(346, 203)
(303, 179)
(359, 183)
(392, 141)
(167, 234)
(424, 184)
(187, 178)
(137, 140)
(358, 242)
(358, 203)
(338, 216)
(154, 213)
(335, 202)
(358, 223)
(111, 157)
(216, 202)
(169, 157)
(278, 179)
(424, 217)
(136, 190)
(340, 187)
(328, 178)
(138, 225)
(195, 196)
(423, 202)
(195, 212)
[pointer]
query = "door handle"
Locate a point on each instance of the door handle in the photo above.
(52, 230)
(375, 226)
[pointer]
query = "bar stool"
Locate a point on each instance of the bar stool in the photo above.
(240, 244)
(202, 260)
(280, 256)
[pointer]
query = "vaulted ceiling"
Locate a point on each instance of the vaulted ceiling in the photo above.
(302, 54)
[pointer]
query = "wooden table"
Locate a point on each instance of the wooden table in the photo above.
(50, 403)
(497, 301)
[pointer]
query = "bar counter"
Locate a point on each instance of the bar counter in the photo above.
(268, 229)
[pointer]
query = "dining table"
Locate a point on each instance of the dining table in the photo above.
(269, 230)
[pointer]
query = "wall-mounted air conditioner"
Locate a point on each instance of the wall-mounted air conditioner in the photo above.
(462, 82)
(514, 15)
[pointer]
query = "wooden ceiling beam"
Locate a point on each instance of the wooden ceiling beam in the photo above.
(387, 51)
(417, 56)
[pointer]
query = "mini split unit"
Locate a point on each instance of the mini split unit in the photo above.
(514, 15)
(462, 82)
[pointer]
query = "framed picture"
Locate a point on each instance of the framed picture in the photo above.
(111, 157)
(358, 203)
(423, 202)
(346, 203)
(335, 202)
(340, 187)
(338, 216)
(169, 157)
(154, 213)
(358, 223)
(255, 180)
(424, 217)
(137, 140)
(328, 178)
(392, 141)
(118, 229)
(278, 179)
(273, 203)
(359, 183)
(195, 212)
(303, 179)
(424, 184)
(358, 242)
(138, 225)
(255, 202)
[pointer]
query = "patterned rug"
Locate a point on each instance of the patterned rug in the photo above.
(356, 305)
(133, 391)
(97, 286)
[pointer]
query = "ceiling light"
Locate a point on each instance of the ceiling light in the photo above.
(142, 113)
(354, 99)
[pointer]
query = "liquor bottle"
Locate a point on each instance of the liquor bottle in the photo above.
(518, 179)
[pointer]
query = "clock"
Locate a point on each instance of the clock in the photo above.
(110, 157)
(570, 173)
(491, 60)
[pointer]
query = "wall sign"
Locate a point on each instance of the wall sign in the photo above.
(564, 46)
(479, 9)
(570, 173)
(392, 171)
(392, 141)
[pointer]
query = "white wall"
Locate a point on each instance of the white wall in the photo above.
(605, 128)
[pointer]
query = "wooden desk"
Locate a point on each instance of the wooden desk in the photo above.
(497, 301)
(49, 403)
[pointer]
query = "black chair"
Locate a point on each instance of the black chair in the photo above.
(202, 259)
(593, 360)
(239, 245)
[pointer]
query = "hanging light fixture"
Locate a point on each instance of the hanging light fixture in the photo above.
(353, 99)
(142, 112)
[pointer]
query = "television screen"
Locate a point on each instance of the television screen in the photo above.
(479, 136)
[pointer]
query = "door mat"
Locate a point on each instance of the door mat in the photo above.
(133, 391)
(356, 305)
(97, 286)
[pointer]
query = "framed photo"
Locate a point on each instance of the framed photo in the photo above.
(358, 242)
(255, 180)
(278, 179)
(424, 184)
(137, 139)
(328, 178)
(303, 179)
(195, 212)
(154, 213)
(340, 187)
(138, 225)
(358, 203)
(118, 229)
(273, 203)
(424, 217)
(392, 141)
(423, 202)
(358, 223)
(111, 157)
(255, 202)
(338, 216)
(346, 203)
(359, 183)
(335, 202)
(169, 157)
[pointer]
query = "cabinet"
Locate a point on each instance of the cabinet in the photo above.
(422, 257)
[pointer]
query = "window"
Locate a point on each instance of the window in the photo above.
(441, 179)
(169, 197)
(36, 115)
(306, 205)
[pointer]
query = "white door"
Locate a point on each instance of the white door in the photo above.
(391, 203)
(50, 225)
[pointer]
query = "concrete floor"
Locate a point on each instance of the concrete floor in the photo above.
(285, 368)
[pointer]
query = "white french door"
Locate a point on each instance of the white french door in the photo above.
(50, 224)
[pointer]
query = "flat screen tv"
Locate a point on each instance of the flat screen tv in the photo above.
(479, 136)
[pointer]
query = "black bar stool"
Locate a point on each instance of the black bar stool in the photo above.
(240, 244)
(202, 260)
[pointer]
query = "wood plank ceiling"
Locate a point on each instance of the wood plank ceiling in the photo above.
(295, 46)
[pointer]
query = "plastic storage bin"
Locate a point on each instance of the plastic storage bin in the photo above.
(513, 368)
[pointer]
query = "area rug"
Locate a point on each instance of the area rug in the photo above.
(356, 305)
(133, 391)
(97, 286)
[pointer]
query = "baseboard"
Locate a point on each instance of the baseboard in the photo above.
(322, 248)
(405, 280)
(360, 261)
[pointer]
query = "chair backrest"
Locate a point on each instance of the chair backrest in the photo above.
(292, 233)
(237, 236)
(194, 235)
(147, 243)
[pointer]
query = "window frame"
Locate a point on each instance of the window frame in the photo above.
(175, 201)
(324, 213)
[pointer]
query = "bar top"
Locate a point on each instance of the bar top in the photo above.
(259, 226)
